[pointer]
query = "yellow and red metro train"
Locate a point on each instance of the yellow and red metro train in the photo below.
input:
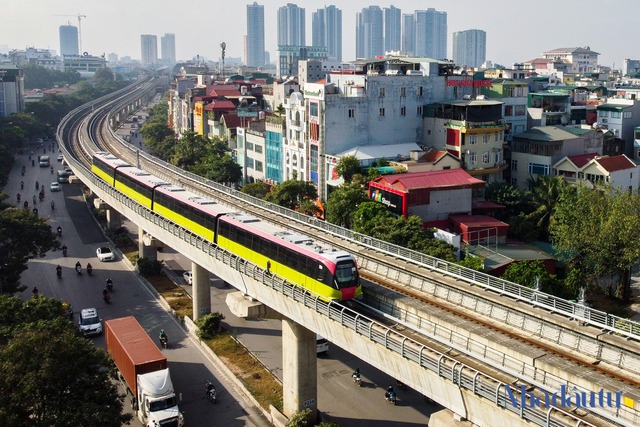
(323, 270)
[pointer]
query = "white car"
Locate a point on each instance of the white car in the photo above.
(90, 323)
(54, 186)
(188, 277)
(105, 253)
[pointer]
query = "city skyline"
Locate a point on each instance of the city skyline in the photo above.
(511, 35)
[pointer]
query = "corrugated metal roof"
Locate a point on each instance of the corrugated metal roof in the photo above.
(372, 152)
(551, 133)
(430, 179)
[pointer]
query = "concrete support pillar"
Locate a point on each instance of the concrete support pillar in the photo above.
(447, 418)
(300, 369)
(146, 251)
(201, 291)
(114, 219)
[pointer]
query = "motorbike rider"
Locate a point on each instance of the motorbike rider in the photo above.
(64, 250)
(59, 231)
(18, 197)
(109, 284)
(35, 292)
(34, 199)
(37, 185)
(22, 185)
(89, 268)
(59, 271)
(78, 267)
(390, 393)
(53, 205)
(356, 373)
(105, 295)
(163, 336)
(51, 170)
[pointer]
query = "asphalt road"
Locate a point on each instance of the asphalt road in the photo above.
(188, 364)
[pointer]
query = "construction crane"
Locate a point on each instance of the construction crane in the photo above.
(79, 16)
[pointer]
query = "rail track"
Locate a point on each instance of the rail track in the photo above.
(87, 142)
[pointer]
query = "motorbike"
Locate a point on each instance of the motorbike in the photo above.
(106, 297)
(51, 170)
(18, 197)
(390, 396)
(37, 185)
(53, 205)
(357, 380)
(164, 341)
(89, 270)
(64, 251)
(79, 269)
(109, 285)
(22, 185)
(210, 391)
(59, 231)
(59, 273)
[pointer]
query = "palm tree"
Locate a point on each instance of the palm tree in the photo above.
(545, 191)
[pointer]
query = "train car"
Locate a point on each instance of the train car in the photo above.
(104, 166)
(138, 185)
(195, 213)
(323, 270)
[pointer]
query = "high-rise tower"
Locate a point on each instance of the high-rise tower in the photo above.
(369, 32)
(408, 33)
(326, 28)
(431, 33)
(255, 36)
(149, 45)
(291, 29)
(69, 40)
(392, 29)
(168, 48)
(470, 47)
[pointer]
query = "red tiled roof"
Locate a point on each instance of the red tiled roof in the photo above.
(231, 120)
(222, 90)
(432, 155)
(321, 82)
(582, 159)
(539, 61)
(218, 105)
(430, 179)
(616, 163)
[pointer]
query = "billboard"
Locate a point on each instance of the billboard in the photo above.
(394, 201)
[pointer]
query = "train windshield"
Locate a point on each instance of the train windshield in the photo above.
(346, 274)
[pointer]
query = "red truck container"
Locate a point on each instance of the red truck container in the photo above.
(133, 352)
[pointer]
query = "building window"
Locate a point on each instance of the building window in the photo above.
(497, 136)
(473, 158)
(627, 115)
(382, 112)
(258, 149)
(258, 167)
(352, 113)
(249, 146)
(603, 113)
(420, 92)
(508, 110)
(498, 156)
(538, 169)
(419, 110)
(485, 157)
(520, 110)
(473, 138)
(615, 114)
(403, 111)
(249, 162)
(514, 165)
(485, 138)
(403, 92)
(381, 92)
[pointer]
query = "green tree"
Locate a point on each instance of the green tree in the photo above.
(291, 193)
(514, 200)
(367, 214)
(224, 170)
(104, 76)
(528, 273)
(342, 204)
(257, 189)
(348, 166)
(24, 236)
(546, 192)
(56, 378)
(190, 150)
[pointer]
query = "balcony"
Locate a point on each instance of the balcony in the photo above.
(465, 124)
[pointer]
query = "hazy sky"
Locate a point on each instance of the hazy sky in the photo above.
(517, 30)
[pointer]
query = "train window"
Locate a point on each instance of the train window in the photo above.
(346, 274)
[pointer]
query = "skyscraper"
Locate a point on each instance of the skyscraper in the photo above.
(255, 36)
(291, 29)
(408, 34)
(168, 48)
(149, 45)
(431, 33)
(392, 29)
(326, 28)
(68, 40)
(470, 47)
(369, 32)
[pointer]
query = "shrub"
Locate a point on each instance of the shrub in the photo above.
(147, 267)
(208, 325)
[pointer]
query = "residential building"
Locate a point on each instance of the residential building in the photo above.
(254, 45)
(250, 153)
(470, 48)
(168, 48)
(408, 34)
(289, 57)
(621, 116)
(34, 56)
(314, 70)
(514, 97)
(431, 160)
(473, 131)
(280, 92)
(294, 141)
(619, 172)
(275, 128)
(369, 33)
(431, 34)
(433, 196)
(534, 152)
(579, 59)
(395, 88)
(327, 31)
(69, 40)
(631, 67)
(86, 64)
(11, 90)
(392, 29)
(549, 108)
(291, 26)
(149, 49)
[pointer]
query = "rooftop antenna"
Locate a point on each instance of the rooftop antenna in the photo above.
(223, 46)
